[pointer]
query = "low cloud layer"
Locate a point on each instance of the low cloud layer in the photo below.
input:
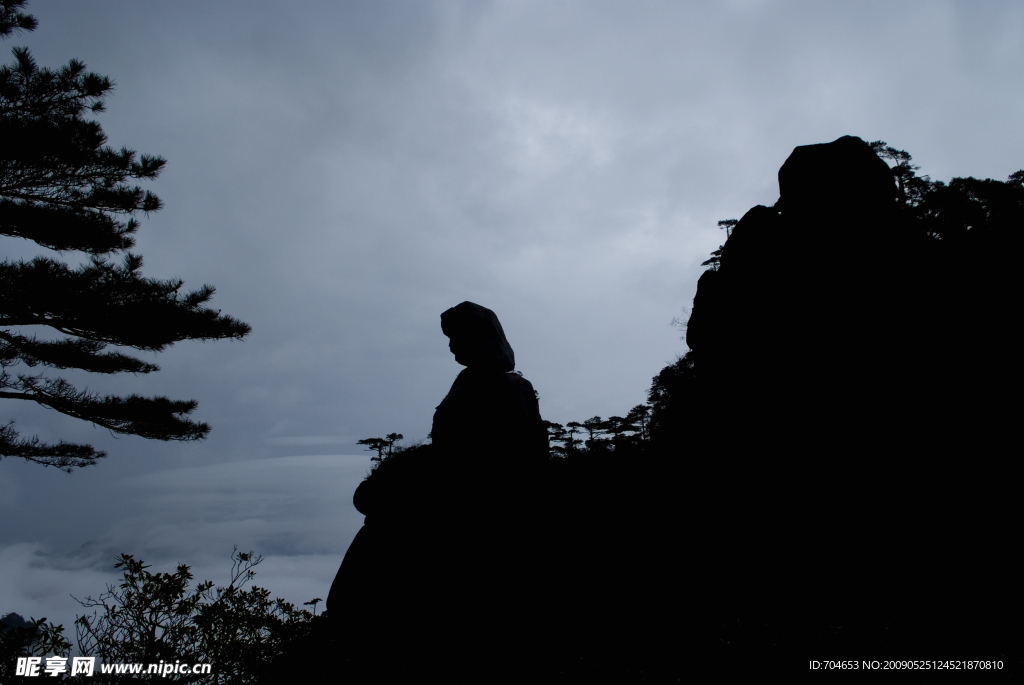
(295, 511)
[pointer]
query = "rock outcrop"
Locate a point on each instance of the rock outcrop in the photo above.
(850, 418)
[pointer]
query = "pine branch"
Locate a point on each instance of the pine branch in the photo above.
(65, 456)
(68, 354)
(65, 164)
(12, 21)
(66, 228)
(110, 304)
(157, 418)
(26, 91)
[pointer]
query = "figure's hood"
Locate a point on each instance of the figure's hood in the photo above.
(479, 330)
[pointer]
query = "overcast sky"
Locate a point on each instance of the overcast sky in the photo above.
(344, 172)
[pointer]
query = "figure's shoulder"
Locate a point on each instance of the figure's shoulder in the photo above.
(489, 378)
(527, 394)
(474, 386)
(517, 380)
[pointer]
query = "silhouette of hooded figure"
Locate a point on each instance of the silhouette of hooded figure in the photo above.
(442, 519)
(490, 410)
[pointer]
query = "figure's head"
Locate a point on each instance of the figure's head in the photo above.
(476, 338)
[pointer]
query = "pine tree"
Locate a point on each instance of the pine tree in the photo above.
(640, 417)
(63, 188)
